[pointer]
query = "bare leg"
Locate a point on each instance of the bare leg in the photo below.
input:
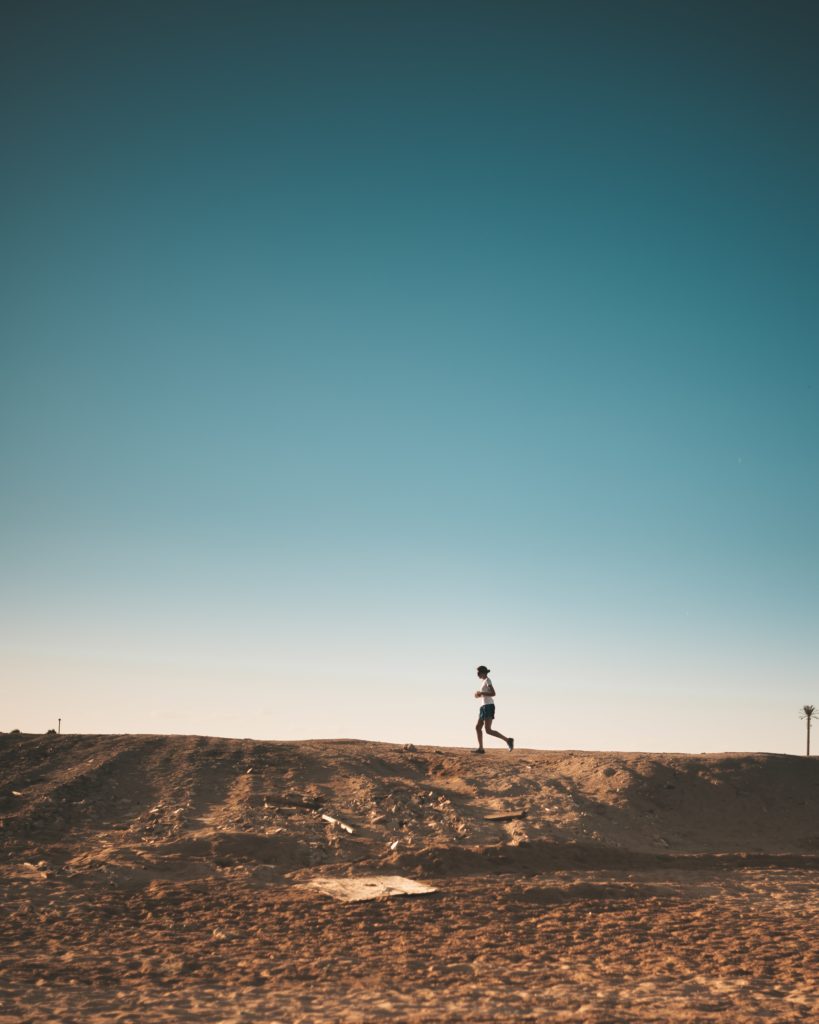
(479, 731)
(492, 732)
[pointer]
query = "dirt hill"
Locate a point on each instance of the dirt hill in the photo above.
(138, 807)
(186, 879)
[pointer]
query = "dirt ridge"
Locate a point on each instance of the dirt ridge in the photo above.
(157, 878)
(157, 801)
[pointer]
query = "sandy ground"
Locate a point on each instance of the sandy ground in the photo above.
(156, 878)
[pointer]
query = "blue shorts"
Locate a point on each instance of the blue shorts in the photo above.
(487, 713)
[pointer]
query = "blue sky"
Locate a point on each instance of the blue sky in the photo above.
(349, 346)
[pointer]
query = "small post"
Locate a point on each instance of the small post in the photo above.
(59, 725)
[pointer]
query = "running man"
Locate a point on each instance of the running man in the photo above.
(487, 712)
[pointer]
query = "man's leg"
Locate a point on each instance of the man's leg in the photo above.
(494, 732)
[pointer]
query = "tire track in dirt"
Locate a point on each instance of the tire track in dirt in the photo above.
(100, 793)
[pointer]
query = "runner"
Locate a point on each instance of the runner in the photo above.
(487, 712)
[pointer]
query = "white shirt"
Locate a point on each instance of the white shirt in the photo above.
(486, 690)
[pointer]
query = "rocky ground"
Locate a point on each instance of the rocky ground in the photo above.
(167, 878)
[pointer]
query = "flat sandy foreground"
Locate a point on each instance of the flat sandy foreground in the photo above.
(171, 878)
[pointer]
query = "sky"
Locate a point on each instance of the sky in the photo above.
(349, 346)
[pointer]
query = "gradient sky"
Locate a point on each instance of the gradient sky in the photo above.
(346, 346)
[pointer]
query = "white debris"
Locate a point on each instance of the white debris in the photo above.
(369, 887)
(334, 821)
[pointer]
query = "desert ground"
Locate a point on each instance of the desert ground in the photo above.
(175, 879)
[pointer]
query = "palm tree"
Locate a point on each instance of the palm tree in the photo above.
(808, 712)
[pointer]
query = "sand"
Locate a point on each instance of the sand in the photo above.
(173, 879)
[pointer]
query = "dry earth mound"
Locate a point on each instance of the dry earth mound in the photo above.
(188, 879)
(139, 807)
